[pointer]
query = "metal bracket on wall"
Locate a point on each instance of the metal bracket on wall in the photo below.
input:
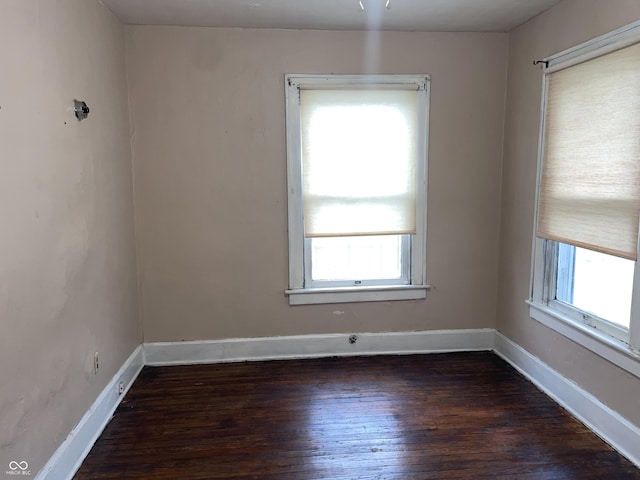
(81, 109)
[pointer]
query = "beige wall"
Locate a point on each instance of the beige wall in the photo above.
(569, 23)
(67, 275)
(210, 177)
(207, 126)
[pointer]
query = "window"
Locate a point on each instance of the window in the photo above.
(596, 283)
(585, 274)
(356, 156)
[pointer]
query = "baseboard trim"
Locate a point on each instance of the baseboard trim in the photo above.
(66, 460)
(609, 425)
(621, 434)
(315, 346)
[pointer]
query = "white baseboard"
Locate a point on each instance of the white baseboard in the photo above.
(606, 423)
(609, 425)
(69, 456)
(310, 346)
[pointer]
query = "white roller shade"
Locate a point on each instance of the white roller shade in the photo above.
(590, 185)
(359, 161)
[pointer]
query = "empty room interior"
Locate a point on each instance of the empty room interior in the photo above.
(238, 211)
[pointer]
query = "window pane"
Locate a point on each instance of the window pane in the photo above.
(356, 258)
(597, 283)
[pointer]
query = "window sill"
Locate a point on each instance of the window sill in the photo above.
(607, 347)
(310, 296)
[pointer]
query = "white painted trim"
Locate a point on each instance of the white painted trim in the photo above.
(606, 346)
(607, 43)
(66, 460)
(396, 81)
(609, 425)
(602, 420)
(314, 346)
(544, 260)
(378, 293)
(302, 291)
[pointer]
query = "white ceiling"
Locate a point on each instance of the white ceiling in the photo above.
(419, 15)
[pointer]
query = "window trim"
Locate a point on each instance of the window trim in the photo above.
(297, 293)
(607, 347)
(591, 332)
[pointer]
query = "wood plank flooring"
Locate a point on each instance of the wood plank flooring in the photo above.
(438, 416)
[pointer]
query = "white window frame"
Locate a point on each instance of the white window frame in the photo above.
(604, 338)
(404, 279)
(298, 292)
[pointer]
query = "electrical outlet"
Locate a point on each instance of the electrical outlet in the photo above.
(120, 388)
(96, 363)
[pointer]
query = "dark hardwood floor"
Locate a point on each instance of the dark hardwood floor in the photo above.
(438, 416)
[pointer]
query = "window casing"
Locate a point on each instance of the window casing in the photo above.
(555, 274)
(401, 277)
